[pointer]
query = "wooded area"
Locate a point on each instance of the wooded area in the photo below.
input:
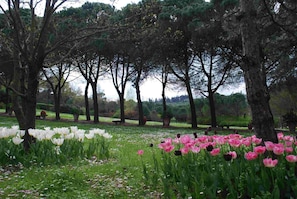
(200, 45)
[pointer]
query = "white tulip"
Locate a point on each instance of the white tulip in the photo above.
(17, 140)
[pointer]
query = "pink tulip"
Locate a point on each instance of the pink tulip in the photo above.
(280, 136)
(219, 140)
(288, 143)
(278, 150)
(268, 162)
(176, 140)
(291, 158)
(251, 155)
(269, 145)
(289, 149)
(184, 150)
(246, 141)
(233, 154)
(202, 139)
(288, 138)
(260, 149)
(167, 145)
(256, 140)
(185, 139)
(140, 152)
(234, 143)
(195, 149)
(215, 152)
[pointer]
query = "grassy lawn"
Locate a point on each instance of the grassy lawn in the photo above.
(126, 174)
(118, 177)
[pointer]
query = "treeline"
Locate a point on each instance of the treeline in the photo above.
(229, 106)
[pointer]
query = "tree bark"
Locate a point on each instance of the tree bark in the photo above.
(57, 98)
(192, 105)
(95, 102)
(212, 109)
(139, 102)
(30, 100)
(254, 75)
(88, 117)
(122, 107)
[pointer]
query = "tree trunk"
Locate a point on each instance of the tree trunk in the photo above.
(192, 105)
(164, 101)
(256, 88)
(57, 98)
(7, 105)
(95, 102)
(212, 109)
(139, 103)
(122, 107)
(88, 117)
(17, 99)
(30, 114)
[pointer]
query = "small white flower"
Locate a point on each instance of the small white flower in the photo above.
(17, 140)
(49, 134)
(58, 141)
(73, 129)
(21, 133)
(61, 131)
(80, 134)
(107, 135)
(69, 136)
(90, 135)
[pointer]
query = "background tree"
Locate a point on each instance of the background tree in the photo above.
(6, 77)
(143, 31)
(176, 17)
(56, 76)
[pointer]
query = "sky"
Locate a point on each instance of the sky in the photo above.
(149, 89)
(117, 3)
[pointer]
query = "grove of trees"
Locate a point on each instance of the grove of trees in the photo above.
(199, 46)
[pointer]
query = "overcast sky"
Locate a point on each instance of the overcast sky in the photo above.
(117, 3)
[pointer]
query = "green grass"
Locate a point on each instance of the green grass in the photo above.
(120, 176)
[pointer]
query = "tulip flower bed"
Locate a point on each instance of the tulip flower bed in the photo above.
(224, 166)
(52, 146)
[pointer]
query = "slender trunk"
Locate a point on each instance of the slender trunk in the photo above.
(88, 117)
(7, 105)
(256, 88)
(212, 109)
(17, 100)
(192, 106)
(164, 100)
(57, 98)
(95, 102)
(139, 103)
(122, 107)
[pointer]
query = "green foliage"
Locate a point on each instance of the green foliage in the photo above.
(290, 117)
(168, 113)
(181, 114)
